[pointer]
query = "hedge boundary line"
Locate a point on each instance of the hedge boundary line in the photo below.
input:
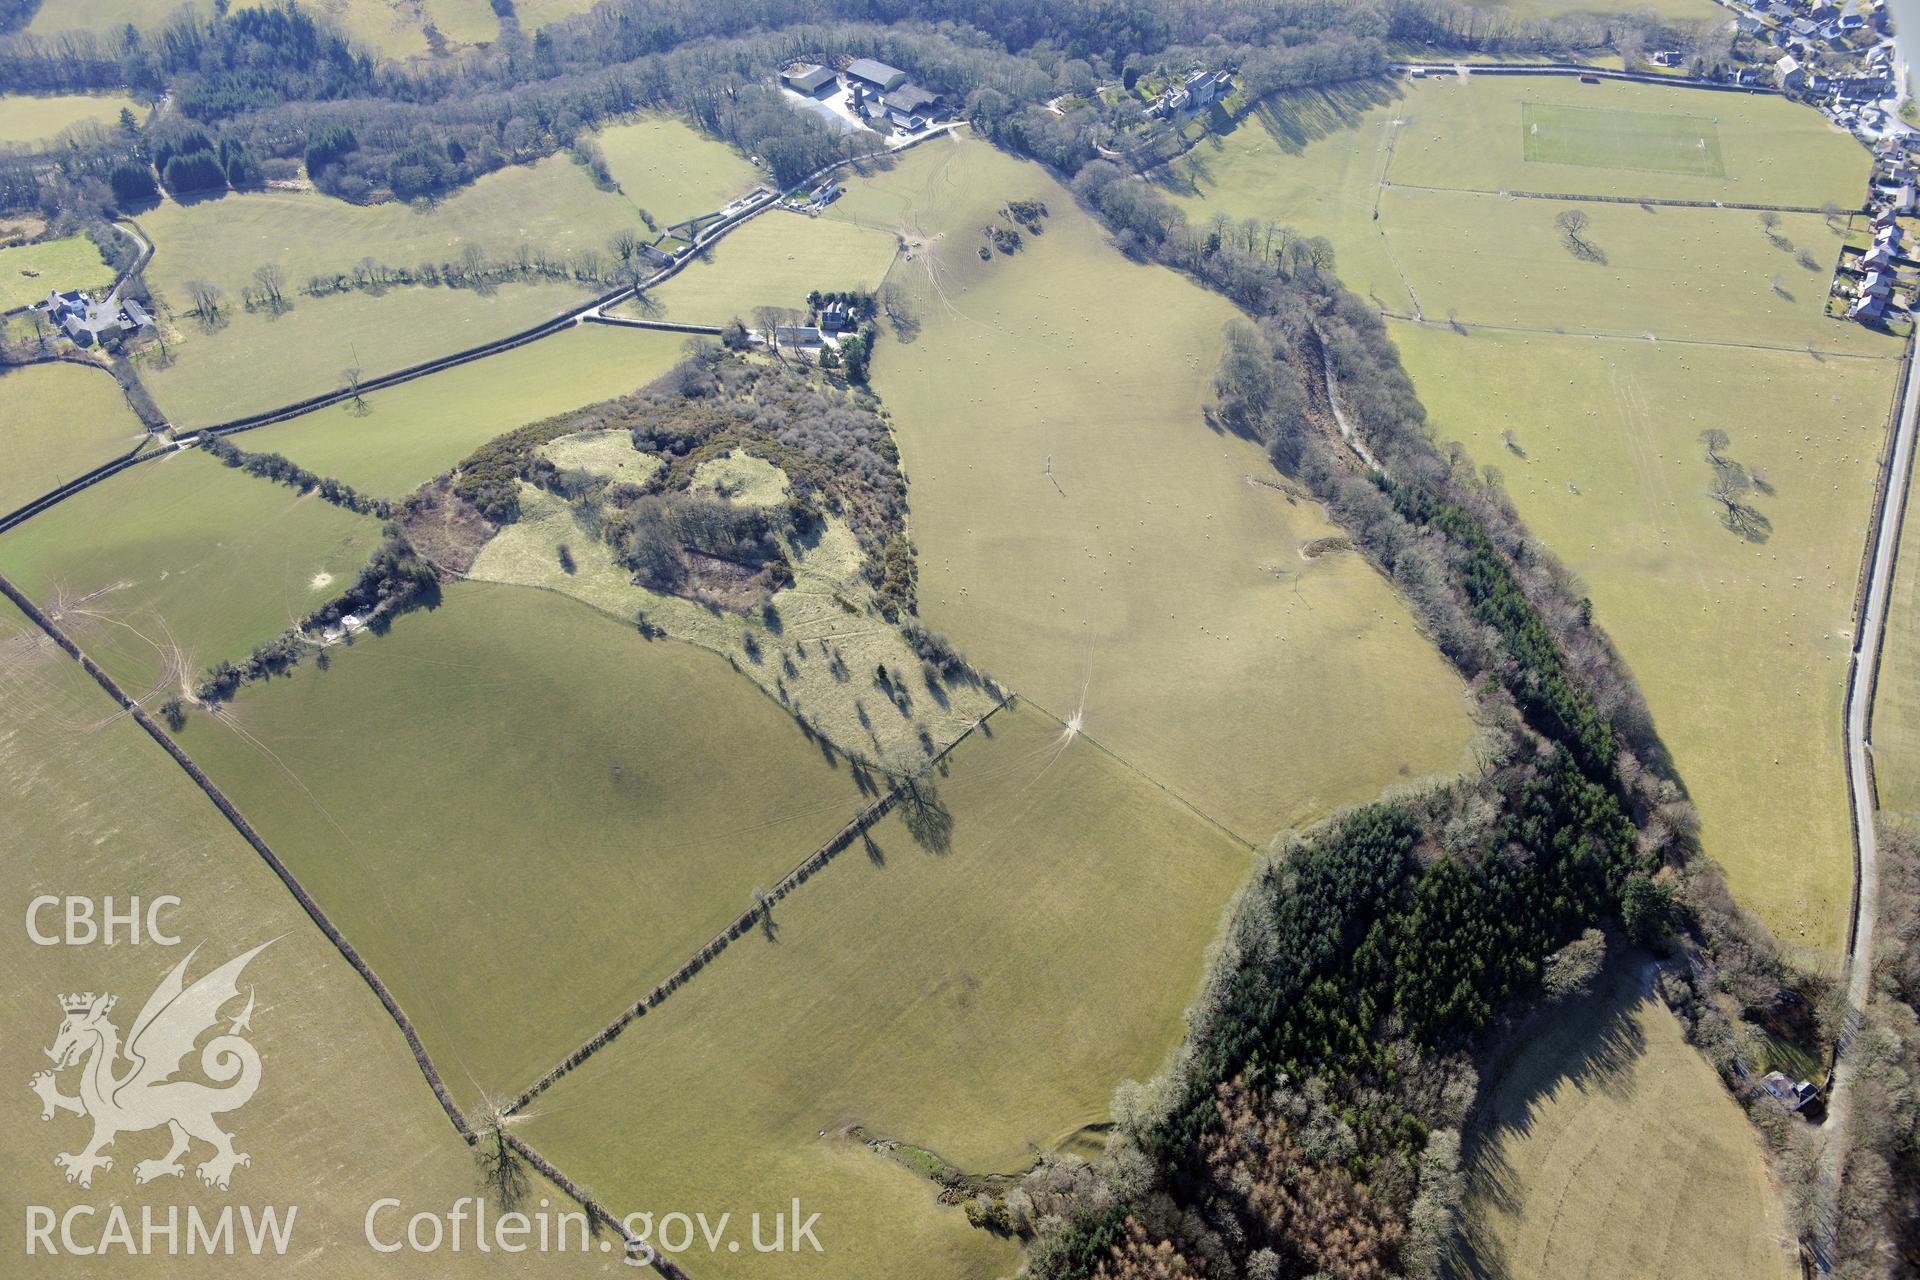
(667, 326)
(546, 328)
(593, 1207)
(24, 513)
(260, 846)
(743, 924)
(1657, 201)
(1579, 69)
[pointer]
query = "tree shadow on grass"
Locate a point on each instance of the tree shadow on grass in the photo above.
(927, 817)
(1293, 120)
(1590, 1044)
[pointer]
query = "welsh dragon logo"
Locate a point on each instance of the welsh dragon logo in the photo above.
(142, 1094)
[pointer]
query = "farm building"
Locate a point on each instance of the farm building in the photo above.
(807, 78)
(912, 100)
(876, 76)
(796, 335)
(90, 320)
(1790, 74)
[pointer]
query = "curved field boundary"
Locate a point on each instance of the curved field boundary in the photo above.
(706, 954)
(252, 837)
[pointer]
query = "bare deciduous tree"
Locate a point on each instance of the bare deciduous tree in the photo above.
(503, 1171)
(272, 281)
(206, 297)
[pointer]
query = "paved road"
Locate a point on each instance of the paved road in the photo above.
(1866, 658)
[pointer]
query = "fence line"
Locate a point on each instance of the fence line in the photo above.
(252, 837)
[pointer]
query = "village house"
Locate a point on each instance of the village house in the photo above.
(836, 317)
(1790, 74)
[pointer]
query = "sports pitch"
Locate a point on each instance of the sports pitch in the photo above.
(1612, 138)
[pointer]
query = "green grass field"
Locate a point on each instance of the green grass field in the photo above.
(255, 361)
(1086, 539)
(828, 608)
(58, 421)
(1713, 274)
(524, 814)
(103, 16)
(342, 1116)
(1895, 732)
(1740, 647)
(1608, 1147)
(535, 14)
(1619, 419)
(29, 271)
(978, 991)
(410, 433)
(464, 21)
(389, 28)
(1314, 158)
(1472, 135)
(665, 166)
(43, 117)
(774, 260)
(1608, 138)
(551, 205)
(174, 565)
